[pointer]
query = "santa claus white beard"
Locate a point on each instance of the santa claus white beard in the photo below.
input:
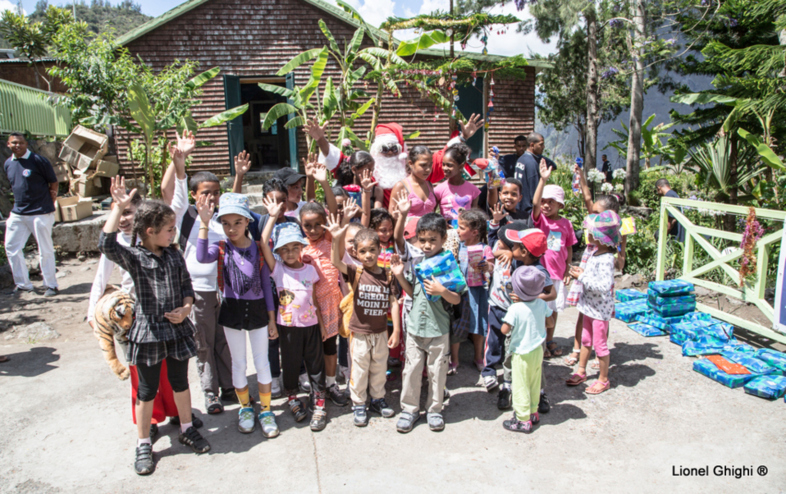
(389, 171)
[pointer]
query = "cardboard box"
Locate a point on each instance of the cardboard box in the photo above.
(61, 171)
(87, 188)
(73, 208)
(83, 148)
(107, 168)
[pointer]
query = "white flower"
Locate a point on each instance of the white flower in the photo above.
(619, 188)
(596, 176)
(619, 174)
(606, 188)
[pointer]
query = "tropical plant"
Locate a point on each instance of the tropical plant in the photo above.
(651, 143)
(714, 162)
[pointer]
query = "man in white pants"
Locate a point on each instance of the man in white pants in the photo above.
(34, 184)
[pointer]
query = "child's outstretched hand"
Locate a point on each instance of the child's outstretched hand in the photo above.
(187, 143)
(367, 181)
(351, 209)
(334, 226)
(498, 213)
(319, 169)
(242, 163)
(176, 154)
(308, 167)
(474, 123)
(396, 265)
(403, 204)
(119, 195)
(545, 170)
(274, 208)
(314, 130)
(205, 209)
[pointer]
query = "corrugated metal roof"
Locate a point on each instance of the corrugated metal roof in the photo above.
(19, 60)
(24, 109)
(328, 8)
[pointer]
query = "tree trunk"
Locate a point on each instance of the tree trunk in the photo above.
(591, 139)
(729, 220)
(636, 99)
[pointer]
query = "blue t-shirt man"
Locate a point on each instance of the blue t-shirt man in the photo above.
(30, 177)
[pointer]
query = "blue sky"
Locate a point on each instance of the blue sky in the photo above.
(375, 12)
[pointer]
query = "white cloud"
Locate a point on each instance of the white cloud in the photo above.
(375, 12)
(8, 5)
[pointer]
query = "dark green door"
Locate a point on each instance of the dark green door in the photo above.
(234, 127)
(471, 101)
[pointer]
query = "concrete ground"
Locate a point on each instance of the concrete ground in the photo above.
(66, 427)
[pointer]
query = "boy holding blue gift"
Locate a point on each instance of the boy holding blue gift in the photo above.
(428, 327)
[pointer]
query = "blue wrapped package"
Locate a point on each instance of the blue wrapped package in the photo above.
(673, 310)
(695, 348)
(772, 357)
(697, 316)
(770, 387)
(754, 365)
(628, 311)
(628, 294)
(678, 337)
(737, 346)
(646, 329)
(654, 319)
(658, 301)
(671, 287)
(445, 269)
(707, 368)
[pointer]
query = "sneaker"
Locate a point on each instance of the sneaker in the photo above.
(153, 430)
(336, 396)
(267, 420)
(229, 395)
(445, 394)
(490, 382)
(406, 421)
(534, 418)
(359, 416)
(394, 362)
(296, 406)
(304, 383)
(544, 406)
(213, 404)
(318, 419)
(435, 422)
(245, 420)
(143, 463)
(50, 292)
(195, 421)
(194, 440)
(275, 388)
(18, 289)
(504, 398)
(381, 407)
(517, 425)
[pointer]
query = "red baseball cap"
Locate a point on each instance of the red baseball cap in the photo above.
(533, 240)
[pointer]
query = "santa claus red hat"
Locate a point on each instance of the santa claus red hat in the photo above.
(392, 128)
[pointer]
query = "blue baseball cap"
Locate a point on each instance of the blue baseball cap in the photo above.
(234, 203)
(287, 233)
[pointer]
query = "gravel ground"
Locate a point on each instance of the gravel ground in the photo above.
(66, 426)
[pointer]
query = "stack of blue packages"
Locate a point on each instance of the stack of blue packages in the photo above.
(707, 368)
(654, 319)
(646, 329)
(770, 387)
(773, 358)
(671, 298)
(628, 295)
(750, 362)
(628, 311)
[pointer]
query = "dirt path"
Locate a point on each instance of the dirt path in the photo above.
(66, 427)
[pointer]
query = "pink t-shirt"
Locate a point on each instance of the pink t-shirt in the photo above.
(559, 236)
(453, 198)
(295, 292)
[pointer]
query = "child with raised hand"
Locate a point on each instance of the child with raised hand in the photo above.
(455, 193)
(428, 328)
(161, 328)
(299, 319)
(244, 282)
(596, 302)
(525, 323)
(375, 296)
(546, 206)
(313, 219)
(507, 209)
(474, 303)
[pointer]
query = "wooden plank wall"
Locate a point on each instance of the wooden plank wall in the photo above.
(255, 38)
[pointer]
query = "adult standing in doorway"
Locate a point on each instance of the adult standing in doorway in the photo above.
(528, 171)
(34, 184)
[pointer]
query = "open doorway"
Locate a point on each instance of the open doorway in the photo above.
(269, 149)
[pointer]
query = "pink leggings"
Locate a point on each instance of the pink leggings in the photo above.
(595, 333)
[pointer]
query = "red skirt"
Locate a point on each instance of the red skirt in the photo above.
(164, 402)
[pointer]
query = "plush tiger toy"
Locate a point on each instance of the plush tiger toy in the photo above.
(114, 315)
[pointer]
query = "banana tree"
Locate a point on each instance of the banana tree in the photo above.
(714, 162)
(154, 122)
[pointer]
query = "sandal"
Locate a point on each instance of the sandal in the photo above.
(553, 348)
(571, 360)
(576, 379)
(598, 387)
(452, 369)
(595, 364)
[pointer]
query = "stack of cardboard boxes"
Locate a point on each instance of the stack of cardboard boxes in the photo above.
(87, 169)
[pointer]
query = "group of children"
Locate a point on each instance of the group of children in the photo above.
(290, 282)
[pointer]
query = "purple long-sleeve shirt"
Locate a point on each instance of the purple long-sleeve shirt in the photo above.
(242, 279)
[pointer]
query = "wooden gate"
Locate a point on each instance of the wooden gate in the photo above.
(696, 236)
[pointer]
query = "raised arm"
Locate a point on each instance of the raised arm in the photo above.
(320, 175)
(317, 134)
(545, 173)
(242, 166)
(178, 151)
(397, 268)
(273, 209)
(337, 231)
(402, 206)
(107, 243)
(205, 253)
(367, 183)
(586, 193)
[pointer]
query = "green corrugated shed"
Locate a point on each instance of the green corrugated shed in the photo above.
(24, 109)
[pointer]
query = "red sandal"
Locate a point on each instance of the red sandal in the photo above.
(576, 379)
